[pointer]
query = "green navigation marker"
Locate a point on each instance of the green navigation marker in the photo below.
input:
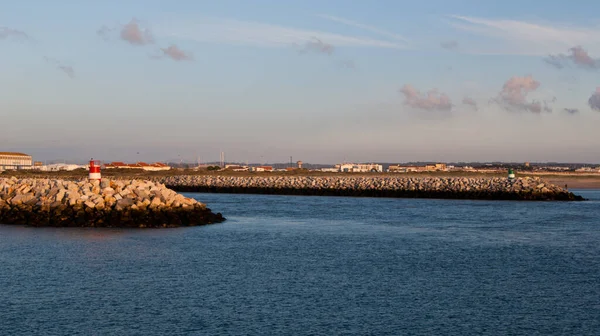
(511, 174)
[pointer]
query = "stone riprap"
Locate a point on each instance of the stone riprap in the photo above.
(527, 188)
(109, 203)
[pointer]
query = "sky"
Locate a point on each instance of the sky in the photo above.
(321, 81)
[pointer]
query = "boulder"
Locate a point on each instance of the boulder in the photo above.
(108, 203)
(396, 186)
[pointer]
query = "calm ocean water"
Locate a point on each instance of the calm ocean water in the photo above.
(315, 265)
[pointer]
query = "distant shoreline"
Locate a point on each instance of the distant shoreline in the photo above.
(571, 180)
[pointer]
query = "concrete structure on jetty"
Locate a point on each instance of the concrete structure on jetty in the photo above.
(133, 203)
(377, 186)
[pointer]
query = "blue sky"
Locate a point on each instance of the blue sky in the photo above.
(322, 81)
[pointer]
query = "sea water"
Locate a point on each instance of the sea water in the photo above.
(300, 265)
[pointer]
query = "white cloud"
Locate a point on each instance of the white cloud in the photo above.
(227, 31)
(373, 29)
(526, 38)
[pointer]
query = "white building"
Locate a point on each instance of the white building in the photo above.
(60, 167)
(157, 166)
(588, 170)
(359, 168)
(237, 168)
(262, 169)
(401, 169)
(13, 161)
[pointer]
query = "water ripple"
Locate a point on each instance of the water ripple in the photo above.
(315, 266)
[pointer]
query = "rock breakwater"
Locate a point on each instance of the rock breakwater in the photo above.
(133, 203)
(527, 188)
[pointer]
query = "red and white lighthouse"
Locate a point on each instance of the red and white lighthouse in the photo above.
(94, 170)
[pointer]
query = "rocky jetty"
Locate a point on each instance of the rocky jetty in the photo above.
(132, 203)
(528, 188)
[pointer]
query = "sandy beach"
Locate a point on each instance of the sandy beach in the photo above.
(576, 182)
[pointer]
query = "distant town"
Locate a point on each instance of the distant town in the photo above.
(22, 161)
